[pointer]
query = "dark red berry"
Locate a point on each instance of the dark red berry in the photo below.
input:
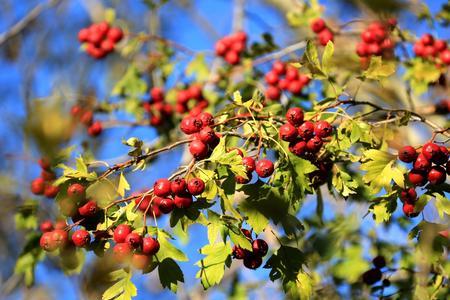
(115, 34)
(407, 154)
(249, 163)
(323, 129)
(183, 200)
(294, 116)
(165, 205)
(325, 36)
(76, 191)
(51, 191)
(273, 93)
(260, 247)
(150, 246)
(252, 261)
(81, 238)
(422, 163)
(417, 178)
(48, 175)
(46, 226)
(271, 78)
(436, 175)
(178, 186)
(408, 209)
(306, 130)
(238, 252)
(314, 144)
(279, 68)
(95, 129)
(247, 233)
(244, 180)
(264, 168)
(298, 148)
(379, 262)
(60, 237)
(122, 252)
(134, 240)
(198, 149)
(371, 276)
(206, 118)
(207, 135)
(295, 87)
(47, 243)
(190, 125)
(157, 94)
(44, 163)
(288, 132)
(442, 156)
(195, 186)
(408, 195)
(430, 151)
(162, 187)
(89, 209)
(121, 232)
(38, 186)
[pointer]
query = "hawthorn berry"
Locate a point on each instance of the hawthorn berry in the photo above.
(95, 129)
(238, 252)
(76, 191)
(407, 154)
(115, 34)
(264, 168)
(89, 209)
(38, 186)
(44, 163)
(436, 175)
(417, 177)
(107, 46)
(134, 240)
(232, 57)
(323, 129)
(121, 232)
(379, 262)
(408, 209)
(408, 195)
(442, 156)
(294, 116)
(317, 25)
(140, 261)
(162, 187)
(288, 132)
(273, 93)
(48, 175)
(165, 205)
(249, 163)
(252, 261)
(191, 125)
(207, 135)
(46, 242)
(298, 148)
(291, 73)
(244, 180)
(81, 238)
(295, 87)
(260, 247)
(306, 130)
(372, 276)
(122, 251)
(314, 144)
(198, 149)
(196, 186)
(422, 163)
(61, 224)
(206, 118)
(46, 226)
(325, 36)
(279, 68)
(157, 94)
(271, 78)
(60, 237)
(150, 246)
(430, 151)
(50, 190)
(183, 200)
(178, 186)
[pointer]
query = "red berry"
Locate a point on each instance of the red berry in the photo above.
(271, 78)
(375, 49)
(232, 57)
(48, 175)
(368, 36)
(442, 156)
(140, 261)
(207, 135)
(387, 44)
(206, 118)
(76, 191)
(304, 79)
(95, 129)
(157, 94)
(283, 84)
(134, 240)
(288, 132)
(430, 151)
(436, 175)
(122, 252)
(38, 186)
(252, 261)
(422, 163)
(44, 163)
(294, 116)
(115, 34)
(429, 51)
(150, 246)
(419, 50)
(379, 35)
(183, 200)
(317, 25)
(81, 238)
(273, 93)
(190, 125)
(249, 163)
(198, 149)
(143, 202)
(51, 191)
(408, 195)
(244, 180)
(427, 39)
(407, 154)
(325, 36)
(372, 276)
(440, 45)
(445, 56)
(417, 178)
(89, 209)
(323, 129)
(61, 224)
(295, 87)
(60, 237)
(46, 226)
(291, 73)
(196, 186)
(178, 186)
(94, 51)
(121, 232)
(298, 148)
(47, 243)
(162, 187)
(260, 247)
(279, 68)
(314, 144)
(165, 204)
(379, 262)
(264, 168)
(238, 252)
(247, 233)
(240, 36)
(220, 48)
(107, 46)
(408, 209)
(83, 35)
(306, 130)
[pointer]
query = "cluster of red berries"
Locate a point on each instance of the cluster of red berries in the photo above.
(429, 166)
(100, 39)
(375, 41)
(443, 107)
(53, 236)
(205, 138)
(157, 108)
(284, 78)
(231, 47)
(43, 184)
(263, 167)
(252, 259)
(76, 205)
(170, 194)
(188, 95)
(132, 246)
(86, 117)
(324, 34)
(375, 274)
(430, 48)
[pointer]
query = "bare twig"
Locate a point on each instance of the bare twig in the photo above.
(279, 54)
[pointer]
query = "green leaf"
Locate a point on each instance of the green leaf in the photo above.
(238, 238)
(103, 192)
(442, 205)
(326, 57)
(255, 218)
(167, 250)
(31, 254)
(383, 209)
(131, 84)
(212, 267)
(286, 263)
(198, 67)
(110, 15)
(379, 69)
(311, 57)
(170, 274)
(123, 289)
(232, 160)
(420, 73)
(26, 217)
(123, 185)
(237, 98)
(344, 183)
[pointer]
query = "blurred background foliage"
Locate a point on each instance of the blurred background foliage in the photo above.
(43, 73)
